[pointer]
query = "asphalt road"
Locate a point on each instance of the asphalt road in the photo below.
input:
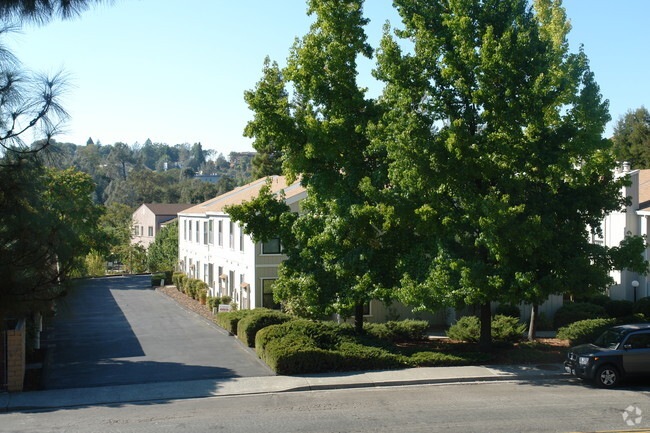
(551, 406)
(111, 331)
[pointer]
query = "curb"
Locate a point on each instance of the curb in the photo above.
(168, 391)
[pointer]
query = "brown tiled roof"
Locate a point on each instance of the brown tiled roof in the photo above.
(246, 193)
(167, 208)
(644, 190)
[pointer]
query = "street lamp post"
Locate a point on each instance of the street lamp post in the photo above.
(635, 284)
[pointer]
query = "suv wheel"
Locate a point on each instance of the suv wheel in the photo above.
(607, 376)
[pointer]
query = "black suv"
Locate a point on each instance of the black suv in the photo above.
(620, 351)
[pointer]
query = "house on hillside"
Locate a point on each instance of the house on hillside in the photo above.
(634, 220)
(149, 218)
(215, 249)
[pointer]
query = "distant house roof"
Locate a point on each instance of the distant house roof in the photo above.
(167, 208)
(246, 193)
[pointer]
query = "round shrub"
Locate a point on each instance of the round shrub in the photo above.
(619, 308)
(467, 328)
(248, 326)
(574, 311)
(508, 310)
(505, 329)
(584, 331)
(642, 306)
(404, 330)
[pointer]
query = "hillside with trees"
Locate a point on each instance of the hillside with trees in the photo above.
(150, 172)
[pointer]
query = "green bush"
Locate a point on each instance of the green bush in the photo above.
(505, 329)
(467, 328)
(619, 308)
(248, 326)
(597, 299)
(508, 310)
(404, 330)
(157, 278)
(226, 300)
(584, 331)
(176, 279)
(574, 311)
(182, 283)
(642, 306)
(229, 320)
(355, 356)
(213, 302)
(438, 359)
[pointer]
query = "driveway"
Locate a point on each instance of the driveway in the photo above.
(117, 330)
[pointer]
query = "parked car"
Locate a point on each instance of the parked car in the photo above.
(620, 352)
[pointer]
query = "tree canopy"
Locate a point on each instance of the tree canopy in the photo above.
(476, 176)
(632, 138)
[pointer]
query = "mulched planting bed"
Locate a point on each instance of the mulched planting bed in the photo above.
(187, 302)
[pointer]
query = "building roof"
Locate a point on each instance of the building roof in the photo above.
(644, 190)
(246, 193)
(167, 208)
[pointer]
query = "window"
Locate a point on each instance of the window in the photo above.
(198, 270)
(638, 341)
(150, 231)
(241, 238)
(231, 241)
(219, 274)
(206, 273)
(205, 232)
(272, 246)
(220, 234)
(231, 282)
(197, 232)
(211, 232)
(210, 274)
(190, 231)
(185, 229)
(366, 309)
(267, 294)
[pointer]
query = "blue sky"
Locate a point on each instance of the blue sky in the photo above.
(176, 71)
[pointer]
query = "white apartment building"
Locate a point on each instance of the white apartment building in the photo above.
(634, 220)
(215, 249)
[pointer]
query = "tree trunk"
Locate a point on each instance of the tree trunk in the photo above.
(532, 328)
(485, 341)
(358, 318)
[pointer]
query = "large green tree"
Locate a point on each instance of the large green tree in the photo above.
(493, 130)
(339, 256)
(163, 252)
(48, 224)
(632, 138)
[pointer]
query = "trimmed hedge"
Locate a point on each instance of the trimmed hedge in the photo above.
(229, 320)
(574, 311)
(248, 326)
(586, 331)
(505, 329)
(398, 330)
(301, 346)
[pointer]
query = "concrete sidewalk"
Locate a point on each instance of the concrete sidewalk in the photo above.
(163, 391)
